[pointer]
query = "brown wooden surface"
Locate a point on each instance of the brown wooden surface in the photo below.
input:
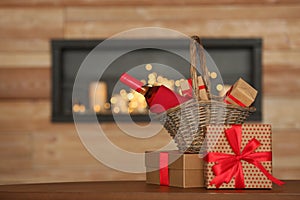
(25, 44)
(133, 13)
(138, 2)
(21, 83)
(31, 22)
(140, 190)
(27, 59)
(204, 28)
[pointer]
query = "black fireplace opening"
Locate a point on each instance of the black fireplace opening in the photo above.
(234, 58)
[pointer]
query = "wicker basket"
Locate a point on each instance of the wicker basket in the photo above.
(187, 122)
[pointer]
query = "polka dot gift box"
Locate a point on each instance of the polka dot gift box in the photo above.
(239, 156)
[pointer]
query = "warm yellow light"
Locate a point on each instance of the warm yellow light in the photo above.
(133, 104)
(160, 79)
(116, 110)
(130, 96)
(151, 76)
(144, 104)
(140, 98)
(113, 100)
(213, 75)
(167, 84)
(81, 108)
(123, 93)
(97, 94)
(106, 105)
(97, 108)
(144, 81)
(219, 87)
(148, 67)
(177, 83)
(130, 110)
(151, 82)
(76, 108)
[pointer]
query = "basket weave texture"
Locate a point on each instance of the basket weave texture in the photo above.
(187, 122)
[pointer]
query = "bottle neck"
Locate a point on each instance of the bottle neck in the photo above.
(137, 85)
(143, 90)
(132, 82)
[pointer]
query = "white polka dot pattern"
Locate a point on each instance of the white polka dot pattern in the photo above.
(217, 142)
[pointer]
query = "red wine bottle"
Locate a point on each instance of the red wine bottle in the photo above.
(158, 98)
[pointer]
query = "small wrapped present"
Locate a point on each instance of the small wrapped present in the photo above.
(241, 94)
(186, 88)
(173, 168)
(239, 156)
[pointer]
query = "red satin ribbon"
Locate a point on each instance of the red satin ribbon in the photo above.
(233, 99)
(229, 165)
(190, 81)
(201, 87)
(163, 168)
(236, 100)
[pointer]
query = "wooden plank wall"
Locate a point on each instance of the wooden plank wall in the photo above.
(32, 149)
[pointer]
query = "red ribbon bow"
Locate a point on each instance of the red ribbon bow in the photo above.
(229, 165)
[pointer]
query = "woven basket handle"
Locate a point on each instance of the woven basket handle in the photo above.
(197, 48)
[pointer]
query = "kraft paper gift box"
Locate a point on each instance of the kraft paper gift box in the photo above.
(241, 94)
(186, 88)
(186, 171)
(239, 156)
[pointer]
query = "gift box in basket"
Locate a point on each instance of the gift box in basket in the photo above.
(241, 94)
(173, 168)
(239, 156)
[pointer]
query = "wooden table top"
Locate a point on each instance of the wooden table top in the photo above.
(140, 190)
